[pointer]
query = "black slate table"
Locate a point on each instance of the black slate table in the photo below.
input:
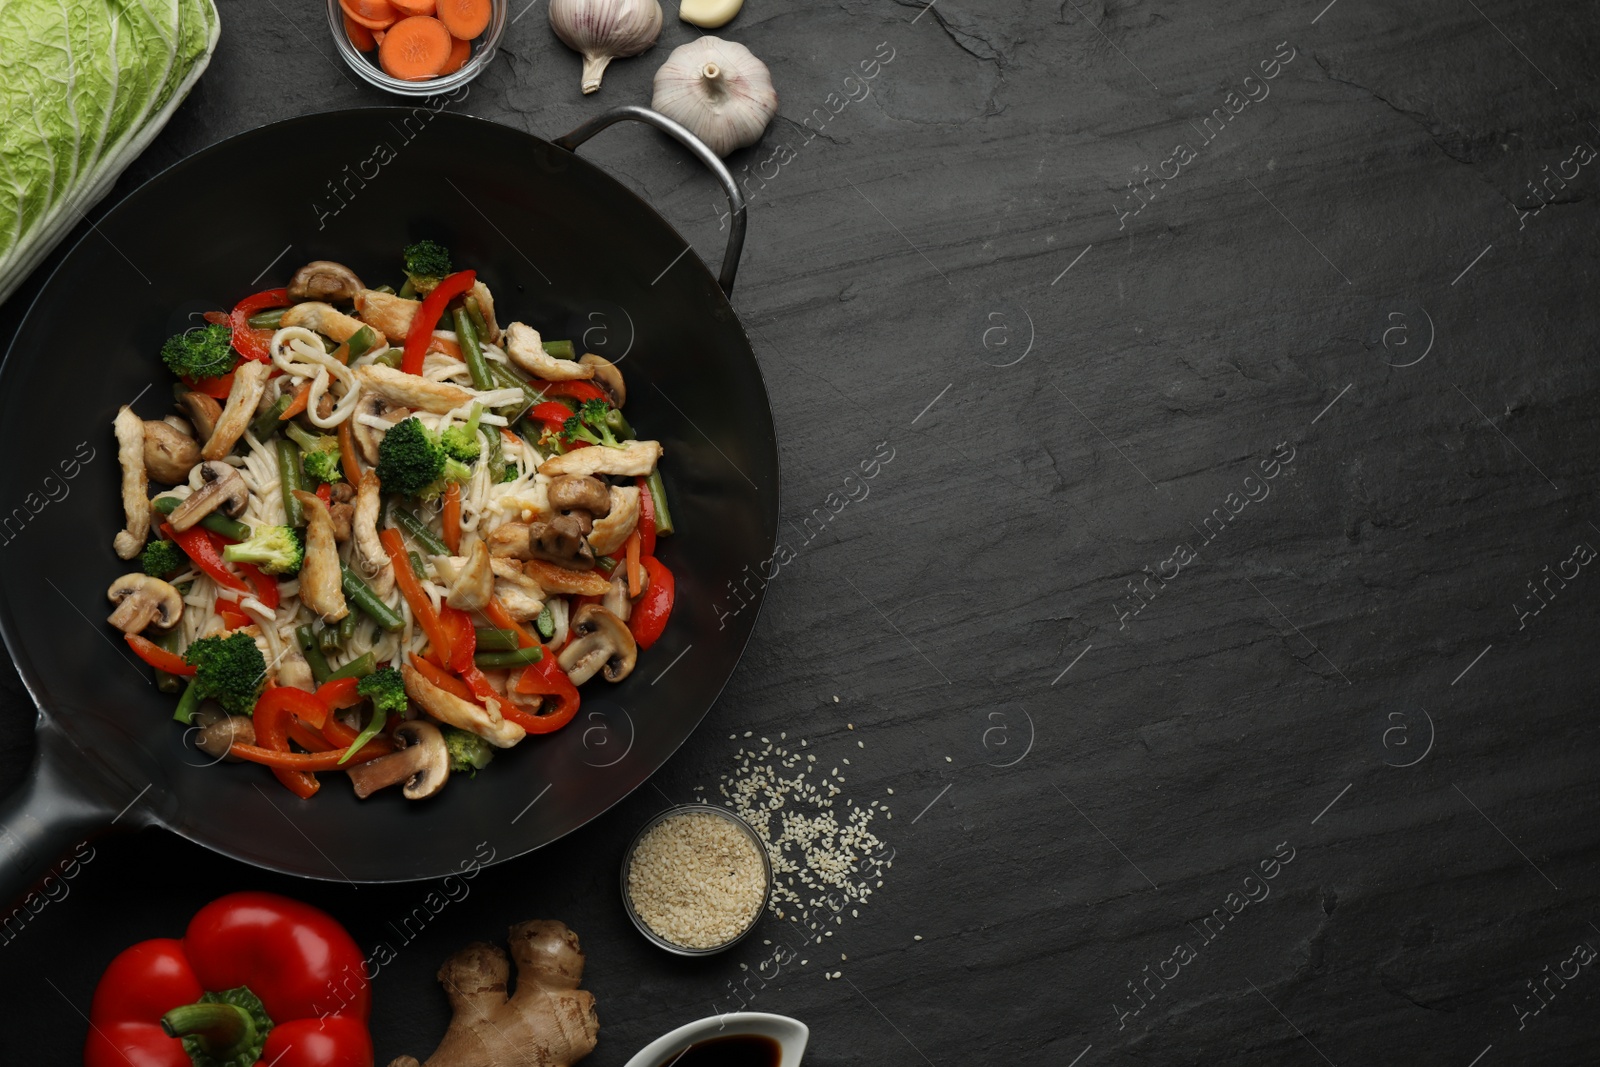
(1222, 621)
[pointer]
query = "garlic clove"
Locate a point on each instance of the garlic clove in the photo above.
(719, 90)
(709, 14)
(603, 30)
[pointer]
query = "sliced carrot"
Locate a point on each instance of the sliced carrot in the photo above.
(413, 7)
(347, 454)
(359, 35)
(378, 36)
(444, 344)
(460, 52)
(383, 18)
(635, 579)
(415, 48)
(302, 397)
(465, 18)
(377, 10)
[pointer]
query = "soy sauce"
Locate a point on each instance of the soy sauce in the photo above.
(736, 1050)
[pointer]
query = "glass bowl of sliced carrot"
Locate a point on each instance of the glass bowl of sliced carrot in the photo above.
(417, 47)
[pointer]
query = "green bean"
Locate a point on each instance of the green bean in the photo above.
(496, 640)
(169, 683)
(471, 353)
(347, 627)
(364, 598)
(313, 654)
(267, 320)
(605, 563)
(290, 479)
(497, 455)
(560, 349)
(268, 422)
(509, 378)
(407, 291)
(475, 313)
(545, 623)
(419, 531)
(327, 639)
(231, 528)
(359, 667)
(488, 661)
(188, 704)
(658, 498)
(618, 424)
(359, 342)
(416, 564)
(391, 358)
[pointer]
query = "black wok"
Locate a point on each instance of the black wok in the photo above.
(562, 246)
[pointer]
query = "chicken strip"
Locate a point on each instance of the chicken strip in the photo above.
(611, 531)
(388, 314)
(129, 429)
(293, 670)
(372, 562)
(412, 390)
(556, 579)
(321, 582)
(526, 350)
(469, 579)
(517, 593)
(635, 459)
(249, 382)
(323, 318)
(480, 293)
(485, 721)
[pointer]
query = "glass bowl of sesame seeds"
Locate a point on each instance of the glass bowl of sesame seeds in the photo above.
(696, 879)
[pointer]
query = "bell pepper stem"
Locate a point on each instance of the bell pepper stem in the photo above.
(223, 1030)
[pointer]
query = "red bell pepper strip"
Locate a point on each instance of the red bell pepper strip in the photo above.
(577, 389)
(307, 738)
(650, 614)
(427, 317)
(158, 657)
(265, 585)
(217, 388)
(285, 762)
(271, 720)
(342, 737)
(554, 416)
(325, 493)
(647, 519)
(200, 548)
(232, 618)
(251, 343)
(546, 678)
(440, 677)
(340, 693)
(411, 589)
(463, 646)
(294, 964)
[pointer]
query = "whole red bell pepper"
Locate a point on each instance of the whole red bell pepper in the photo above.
(427, 317)
(257, 979)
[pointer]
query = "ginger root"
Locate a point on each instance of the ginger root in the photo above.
(547, 1022)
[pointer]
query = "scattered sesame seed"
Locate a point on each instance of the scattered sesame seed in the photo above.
(842, 956)
(889, 791)
(861, 744)
(747, 733)
(838, 974)
(836, 700)
(916, 937)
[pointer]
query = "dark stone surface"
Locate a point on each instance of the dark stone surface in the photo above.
(1359, 617)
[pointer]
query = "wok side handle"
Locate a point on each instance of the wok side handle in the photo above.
(40, 824)
(736, 205)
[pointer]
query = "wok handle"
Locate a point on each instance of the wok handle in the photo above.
(730, 257)
(41, 822)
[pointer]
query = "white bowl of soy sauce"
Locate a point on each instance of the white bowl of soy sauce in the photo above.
(737, 1039)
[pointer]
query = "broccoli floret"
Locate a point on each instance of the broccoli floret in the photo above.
(468, 751)
(461, 442)
(228, 669)
(454, 471)
(409, 458)
(203, 352)
(275, 549)
(386, 689)
(590, 425)
(320, 453)
(427, 262)
(511, 473)
(161, 558)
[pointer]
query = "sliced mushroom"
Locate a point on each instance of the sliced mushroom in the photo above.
(143, 601)
(321, 581)
(412, 390)
(323, 279)
(635, 459)
(203, 412)
(601, 642)
(249, 380)
(556, 579)
(607, 377)
(325, 319)
(480, 292)
(517, 593)
(373, 406)
(575, 492)
(422, 763)
(610, 533)
(168, 454)
(129, 429)
(483, 720)
(343, 492)
(219, 732)
(390, 315)
(617, 601)
(526, 350)
(469, 579)
(561, 542)
(221, 489)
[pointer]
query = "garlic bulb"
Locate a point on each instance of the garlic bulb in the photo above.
(719, 90)
(709, 14)
(603, 30)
